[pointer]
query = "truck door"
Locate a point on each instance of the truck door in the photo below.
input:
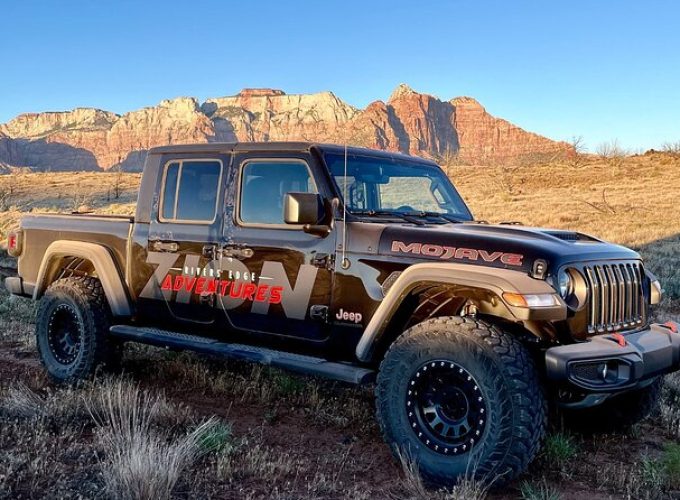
(184, 234)
(280, 277)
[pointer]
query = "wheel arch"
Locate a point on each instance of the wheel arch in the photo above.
(98, 259)
(456, 286)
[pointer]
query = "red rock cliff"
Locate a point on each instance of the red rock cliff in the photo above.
(411, 122)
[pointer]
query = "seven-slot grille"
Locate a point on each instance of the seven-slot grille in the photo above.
(617, 300)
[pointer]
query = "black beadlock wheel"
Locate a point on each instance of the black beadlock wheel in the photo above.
(446, 407)
(64, 334)
(460, 397)
(72, 330)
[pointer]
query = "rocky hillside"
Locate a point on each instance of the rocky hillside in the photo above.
(420, 124)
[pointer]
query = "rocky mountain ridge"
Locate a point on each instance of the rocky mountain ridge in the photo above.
(410, 122)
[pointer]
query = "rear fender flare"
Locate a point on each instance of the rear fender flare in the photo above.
(494, 281)
(103, 263)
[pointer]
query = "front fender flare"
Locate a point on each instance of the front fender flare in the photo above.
(103, 262)
(495, 280)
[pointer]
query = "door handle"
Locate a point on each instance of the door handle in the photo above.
(235, 252)
(165, 246)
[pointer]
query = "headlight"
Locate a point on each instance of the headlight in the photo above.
(656, 292)
(565, 285)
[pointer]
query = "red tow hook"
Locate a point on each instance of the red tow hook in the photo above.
(620, 339)
(672, 326)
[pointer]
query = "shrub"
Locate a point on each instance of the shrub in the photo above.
(141, 461)
(467, 488)
(21, 402)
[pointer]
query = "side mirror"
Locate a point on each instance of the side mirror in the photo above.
(303, 208)
(307, 209)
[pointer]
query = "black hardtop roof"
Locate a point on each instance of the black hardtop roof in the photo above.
(227, 147)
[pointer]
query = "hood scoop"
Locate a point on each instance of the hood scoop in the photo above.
(572, 236)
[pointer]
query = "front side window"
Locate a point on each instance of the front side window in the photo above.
(190, 191)
(400, 186)
(264, 185)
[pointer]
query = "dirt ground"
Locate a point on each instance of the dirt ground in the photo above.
(354, 460)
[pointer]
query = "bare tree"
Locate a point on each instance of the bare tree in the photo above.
(8, 189)
(117, 186)
(672, 148)
(79, 202)
(612, 153)
(576, 156)
(507, 180)
(118, 181)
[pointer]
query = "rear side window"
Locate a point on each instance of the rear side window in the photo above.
(170, 191)
(190, 191)
(264, 185)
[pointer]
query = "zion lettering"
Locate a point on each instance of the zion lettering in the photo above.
(233, 289)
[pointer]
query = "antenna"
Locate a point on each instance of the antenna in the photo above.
(344, 263)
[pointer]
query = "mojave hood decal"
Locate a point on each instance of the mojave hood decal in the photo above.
(459, 253)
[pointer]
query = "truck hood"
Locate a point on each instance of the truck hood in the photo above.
(504, 245)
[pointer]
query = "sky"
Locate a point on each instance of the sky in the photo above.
(603, 70)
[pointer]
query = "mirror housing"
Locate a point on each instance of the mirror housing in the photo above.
(303, 208)
(309, 210)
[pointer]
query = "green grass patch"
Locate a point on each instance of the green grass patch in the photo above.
(217, 438)
(671, 464)
(538, 491)
(287, 385)
(559, 449)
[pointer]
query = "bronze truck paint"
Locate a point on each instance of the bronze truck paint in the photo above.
(330, 298)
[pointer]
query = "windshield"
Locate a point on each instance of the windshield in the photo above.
(383, 185)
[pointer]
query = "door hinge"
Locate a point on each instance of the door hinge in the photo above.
(165, 246)
(324, 261)
(318, 312)
(237, 252)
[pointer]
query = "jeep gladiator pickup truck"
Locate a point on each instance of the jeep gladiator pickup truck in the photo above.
(359, 266)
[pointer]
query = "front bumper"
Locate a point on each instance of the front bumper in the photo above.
(613, 363)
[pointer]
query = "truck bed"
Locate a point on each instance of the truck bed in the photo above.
(41, 230)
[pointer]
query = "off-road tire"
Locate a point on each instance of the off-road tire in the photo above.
(509, 383)
(79, 301)
(617, 413)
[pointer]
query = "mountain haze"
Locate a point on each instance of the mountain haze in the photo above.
(410, 122)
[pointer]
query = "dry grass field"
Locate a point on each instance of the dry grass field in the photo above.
(630, 201)
(185, 426)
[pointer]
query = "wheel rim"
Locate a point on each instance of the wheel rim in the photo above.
(64, 334)
(445, 407)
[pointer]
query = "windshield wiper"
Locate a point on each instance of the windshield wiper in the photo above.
(446, 217)
(389, 213)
